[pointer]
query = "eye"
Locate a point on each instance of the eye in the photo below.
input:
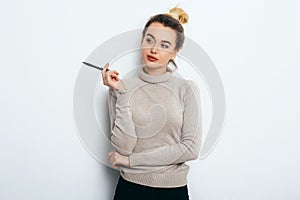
(149, 40)
(165, 46)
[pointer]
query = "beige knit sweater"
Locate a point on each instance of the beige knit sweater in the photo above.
(156, 121)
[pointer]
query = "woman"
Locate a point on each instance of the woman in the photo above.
(155, 117)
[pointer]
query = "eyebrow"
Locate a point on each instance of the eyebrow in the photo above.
(162, 40)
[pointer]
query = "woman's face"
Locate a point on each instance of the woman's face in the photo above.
(158, 46)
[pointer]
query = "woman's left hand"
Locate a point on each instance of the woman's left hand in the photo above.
(116, 159)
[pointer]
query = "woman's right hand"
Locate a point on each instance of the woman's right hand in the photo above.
(111, 79)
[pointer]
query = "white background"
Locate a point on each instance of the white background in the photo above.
(253, 44)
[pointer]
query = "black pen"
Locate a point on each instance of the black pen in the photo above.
(88, 64)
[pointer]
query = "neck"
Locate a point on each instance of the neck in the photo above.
(150, 78)
(155, 71)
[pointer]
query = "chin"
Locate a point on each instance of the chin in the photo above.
(152, 64)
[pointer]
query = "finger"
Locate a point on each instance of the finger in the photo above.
(111, 161)
(117, 167)
(110, 154)
(104, 71)
(114, 163)
(111, 76)
(114, 76)
(105, 68)
(113, 72)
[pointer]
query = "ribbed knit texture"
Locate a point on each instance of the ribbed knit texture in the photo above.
(156, 121)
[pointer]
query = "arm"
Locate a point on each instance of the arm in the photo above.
(189, 146)
(123, 136)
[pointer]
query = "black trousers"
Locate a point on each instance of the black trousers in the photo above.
(126, 190)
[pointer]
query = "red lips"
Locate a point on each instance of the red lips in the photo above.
(151, 58)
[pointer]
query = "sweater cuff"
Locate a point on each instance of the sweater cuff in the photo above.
(120, 92)
(131, 161)
(135, 160)
(122, 97)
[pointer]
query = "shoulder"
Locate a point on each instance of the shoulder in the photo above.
(130, 83)
(185, 84)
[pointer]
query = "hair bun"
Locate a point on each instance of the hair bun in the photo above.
(179, 14)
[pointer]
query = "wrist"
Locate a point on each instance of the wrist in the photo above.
(120, 86)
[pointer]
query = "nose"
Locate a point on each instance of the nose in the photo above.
(154, 48)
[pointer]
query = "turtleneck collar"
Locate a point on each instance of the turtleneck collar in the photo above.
(154, 78)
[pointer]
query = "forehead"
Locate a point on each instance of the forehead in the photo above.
(160, 32)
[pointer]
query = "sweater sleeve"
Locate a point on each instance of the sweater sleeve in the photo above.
(191, 134)
(123, 136)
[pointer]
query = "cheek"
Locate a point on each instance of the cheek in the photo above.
(166, 56)
(143, 54)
